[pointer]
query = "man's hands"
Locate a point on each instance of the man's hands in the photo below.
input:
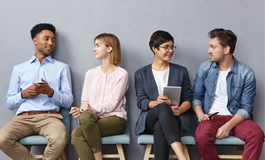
(223, 131)
(29, 92)
(203, 117)
(44, 88)
(36, 89)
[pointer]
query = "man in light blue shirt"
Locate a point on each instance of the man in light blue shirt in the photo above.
(38, 88)
(227, 87)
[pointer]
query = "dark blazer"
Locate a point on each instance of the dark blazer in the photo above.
(146, 91)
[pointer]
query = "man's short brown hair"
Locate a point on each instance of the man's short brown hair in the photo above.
(225, 37)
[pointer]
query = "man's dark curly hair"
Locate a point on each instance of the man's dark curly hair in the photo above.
(42, 26)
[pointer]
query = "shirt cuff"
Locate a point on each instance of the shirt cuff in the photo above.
(243, 113)
(145, 105)
(196, 102)
(56, 95)
(19, 99)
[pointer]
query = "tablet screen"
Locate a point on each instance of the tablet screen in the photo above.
(173, 93)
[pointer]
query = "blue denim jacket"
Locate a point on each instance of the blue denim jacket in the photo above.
(241, 88)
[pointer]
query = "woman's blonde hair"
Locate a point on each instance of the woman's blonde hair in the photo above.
(110, 40)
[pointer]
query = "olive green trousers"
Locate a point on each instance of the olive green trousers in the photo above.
(87, 137)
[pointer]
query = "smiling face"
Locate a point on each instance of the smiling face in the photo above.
(44, 43)
(216, 50)
(163, 54)
(101, 50)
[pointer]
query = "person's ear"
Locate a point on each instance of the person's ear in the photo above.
(109, 49)
(154, 49)
(35, 40)
(227, 49)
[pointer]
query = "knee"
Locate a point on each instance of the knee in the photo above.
(2, 142)
(165, 109)
(257, 135)
(87, 120)
(76, 133)
(202, 135)
(199, 137)
(58, 140)
(5, 142)
(87, 117)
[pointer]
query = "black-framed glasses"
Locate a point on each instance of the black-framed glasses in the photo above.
(167, 48)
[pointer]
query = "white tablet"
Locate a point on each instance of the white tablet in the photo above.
(173, 93)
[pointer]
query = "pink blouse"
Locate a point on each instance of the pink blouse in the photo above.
(106, 92)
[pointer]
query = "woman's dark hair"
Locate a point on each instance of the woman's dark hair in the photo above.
(42, 26)
(159, 37)
(225, 37)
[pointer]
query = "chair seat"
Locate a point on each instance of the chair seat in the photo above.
(149, 139)
(116, 139)
(189, 140)
(231, 140)
(35, 140)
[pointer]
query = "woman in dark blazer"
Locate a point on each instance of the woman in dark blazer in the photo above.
(158, 117)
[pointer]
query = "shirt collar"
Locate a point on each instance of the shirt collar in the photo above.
(234, 67)
(34, 59)
(214, 65)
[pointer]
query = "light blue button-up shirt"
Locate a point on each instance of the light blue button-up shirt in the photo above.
(241, 88)
(55, 73)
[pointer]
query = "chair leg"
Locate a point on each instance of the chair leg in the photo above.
(59, 158)
(62, 156)
(186, 152)
(240, 150)
(120, 152)
(147, 151)
(28, 147)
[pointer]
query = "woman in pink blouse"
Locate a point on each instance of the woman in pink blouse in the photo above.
(102, 112)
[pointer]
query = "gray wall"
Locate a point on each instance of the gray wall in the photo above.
(78, 22)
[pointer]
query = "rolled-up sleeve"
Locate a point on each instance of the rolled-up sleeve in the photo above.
(198, 88)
